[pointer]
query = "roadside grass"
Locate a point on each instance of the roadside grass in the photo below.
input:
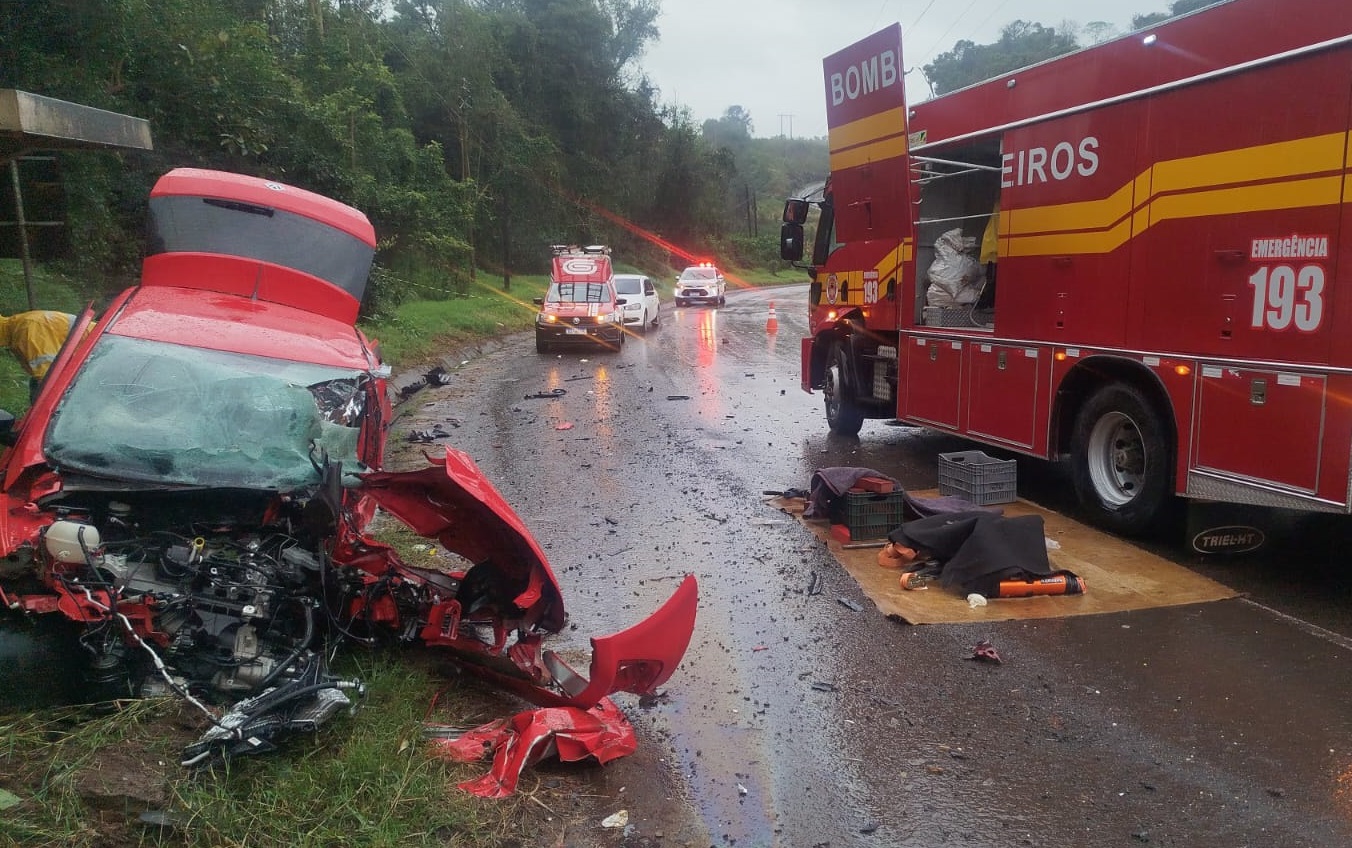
(43, 754)
(50, 291)
(369, 779)
(422, 328)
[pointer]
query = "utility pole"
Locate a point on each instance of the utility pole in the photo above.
(782, 116)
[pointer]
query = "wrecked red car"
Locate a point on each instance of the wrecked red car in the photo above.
(193, 487)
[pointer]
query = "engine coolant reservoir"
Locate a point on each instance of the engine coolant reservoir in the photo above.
(67, 541)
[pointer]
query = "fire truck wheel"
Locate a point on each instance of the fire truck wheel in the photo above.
(1120, 458)
(844, 416)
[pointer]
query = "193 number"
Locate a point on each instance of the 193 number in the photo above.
(1283, 296)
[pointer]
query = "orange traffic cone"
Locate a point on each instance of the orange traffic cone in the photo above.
(772, 323)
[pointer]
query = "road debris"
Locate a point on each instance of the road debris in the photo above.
(569, 733)
(814, 585)
(620, 819)
(846, 602)
(678, 397)
(436, 432)
(552, 393)
(984, 650)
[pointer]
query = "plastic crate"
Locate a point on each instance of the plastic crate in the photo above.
(979, 478)
(869, 515)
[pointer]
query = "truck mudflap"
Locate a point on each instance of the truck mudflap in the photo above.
(805, 363)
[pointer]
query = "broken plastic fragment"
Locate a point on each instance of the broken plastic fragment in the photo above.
(974, 600)
(523, 740)
(620, 819)
(566, 425)
(984, 650)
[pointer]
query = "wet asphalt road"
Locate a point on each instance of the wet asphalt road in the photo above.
(796, 720)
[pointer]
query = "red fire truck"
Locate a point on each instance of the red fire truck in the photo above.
(1156, 300)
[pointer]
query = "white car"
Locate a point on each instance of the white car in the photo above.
(702, 283)
(641, 302)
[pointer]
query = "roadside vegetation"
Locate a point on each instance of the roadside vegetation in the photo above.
(369, 779)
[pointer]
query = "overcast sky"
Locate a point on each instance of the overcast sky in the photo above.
(766, 55)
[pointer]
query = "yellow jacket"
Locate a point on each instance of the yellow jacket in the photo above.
(35, 337)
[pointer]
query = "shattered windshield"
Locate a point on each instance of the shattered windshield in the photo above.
(578, 293)
(163, 413)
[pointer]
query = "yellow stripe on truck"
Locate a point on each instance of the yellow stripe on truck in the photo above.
(1192, 187)
(870, 139)
(882, 125)
(1282, 160)
(888, 148)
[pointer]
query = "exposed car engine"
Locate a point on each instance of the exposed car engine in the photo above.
(214, 610)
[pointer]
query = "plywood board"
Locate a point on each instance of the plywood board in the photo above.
(1119, 576)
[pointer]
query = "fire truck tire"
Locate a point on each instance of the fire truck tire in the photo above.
(1121, 460)
(842, 414)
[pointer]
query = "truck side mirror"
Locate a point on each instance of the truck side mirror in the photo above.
(790, 241)
(795, 211)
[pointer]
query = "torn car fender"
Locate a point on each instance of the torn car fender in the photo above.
(453, 502)
(638, 659)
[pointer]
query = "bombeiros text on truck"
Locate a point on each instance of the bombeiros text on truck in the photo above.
(1126, 257)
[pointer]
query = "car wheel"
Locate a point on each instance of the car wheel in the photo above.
(842, 414)
(643, 325)
(541, 346)
(680, 302)
(722, 300)
(1121, 465)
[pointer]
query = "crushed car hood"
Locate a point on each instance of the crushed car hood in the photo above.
(453, 502)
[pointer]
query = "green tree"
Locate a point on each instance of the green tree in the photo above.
(1020, 44)
(1176, 8)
